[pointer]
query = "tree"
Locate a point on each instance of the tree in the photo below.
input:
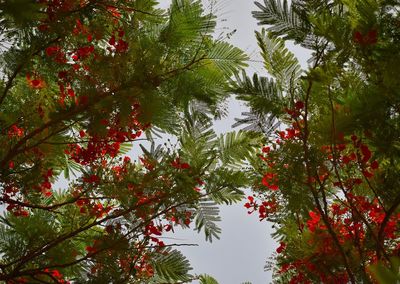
(83, 81)
(328, 174)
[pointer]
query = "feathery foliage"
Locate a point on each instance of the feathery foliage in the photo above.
(328, 178)
(81, 82)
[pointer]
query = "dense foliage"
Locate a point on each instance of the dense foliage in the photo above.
(328, 175)
(82, 83)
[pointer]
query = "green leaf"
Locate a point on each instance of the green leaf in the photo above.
(207, 279)
(235, 147)
(206, 216)
(282, 19)
(386, 275)
(187, 23)
(278, 60)
(171, 266)
(124, 148)
(262, 94)
(227, 57)
(71, 167)
(12, 10)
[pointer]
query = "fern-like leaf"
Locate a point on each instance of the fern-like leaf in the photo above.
(282, 19)
(171, 266)
(206, 216)
(262, 94)
(187, 23)
(207, 279)
(235, 147)
(278, 60)
(227, 57)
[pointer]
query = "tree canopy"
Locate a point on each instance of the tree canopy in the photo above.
(83, 82)
(327, 176)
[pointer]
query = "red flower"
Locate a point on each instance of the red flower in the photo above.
(111, 41)
(71, 93)
(56, 273)
(312, 223)
(370, 38)
(90, 249)
(367, 174)
(85, 51)
(366, 152)
(281, 248)
(178, 165)
(374, 165)
(91, 179)
(273, 187)
(114, 11)
(346, 160)
(121, 46)
(299, 105)
(358, 37)
(80, 202)
(52, 50)
(270, 180)
(266, 149)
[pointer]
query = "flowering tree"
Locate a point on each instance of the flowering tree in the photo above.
(328, 175)
(83, 81)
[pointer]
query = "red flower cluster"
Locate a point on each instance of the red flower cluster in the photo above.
(55, 274)
(15, 131)
(177, 164)
(370, 38)
(264, 209)
(270, 180)
(117, 43)
(153, 232)
(57, 54)
(36, 82)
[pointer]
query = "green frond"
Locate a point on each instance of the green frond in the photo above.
(124, 148)
(10, 242)
(71, 167)
(187, 23)
(170, 266)
(384, 274)
(235, 147)
(11, 11)
(362, 12)
(282, 19)
(207, 279)
(198, 123)
(206, 216)
(263, 95)
(265, 99)
(223, 186)
(227, 57)
(155, 152)
(278, 60)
